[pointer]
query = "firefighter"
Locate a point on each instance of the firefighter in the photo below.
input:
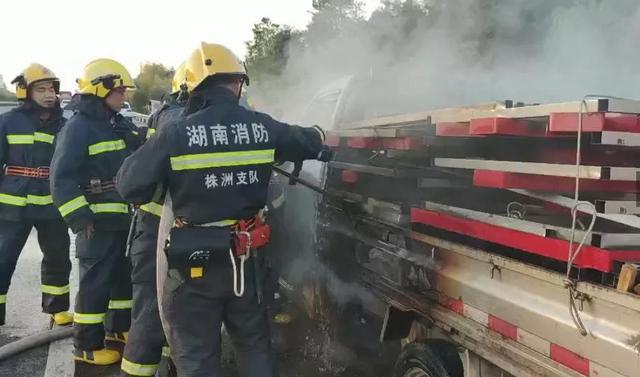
(27, 137)
(217, 164)
(90, 149)
(146, 342)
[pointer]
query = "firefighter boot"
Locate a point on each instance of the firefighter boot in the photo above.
(62, 318)
(117, 337)
(97, 357)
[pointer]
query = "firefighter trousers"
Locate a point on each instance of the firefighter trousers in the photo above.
(104, 292)
(195, 310)
(53, 238)
(145, 346)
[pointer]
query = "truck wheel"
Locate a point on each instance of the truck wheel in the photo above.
(436, 358)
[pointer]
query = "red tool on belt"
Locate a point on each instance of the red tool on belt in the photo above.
(41, 172)
(251, 234)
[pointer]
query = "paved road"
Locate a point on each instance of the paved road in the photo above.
(304, 350)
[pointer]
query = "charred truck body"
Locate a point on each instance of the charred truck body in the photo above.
(453, 230)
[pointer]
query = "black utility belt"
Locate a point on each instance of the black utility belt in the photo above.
(100, 186)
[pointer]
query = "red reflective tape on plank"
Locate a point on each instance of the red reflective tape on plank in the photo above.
(363, 142)
(349, 176)
(453, 129)
(452, 304)
(506, 126)
(332, 140)
(570, 359)
(503, 327)
(590, 256)
(403, 143)
(498, 179)
(593, 122)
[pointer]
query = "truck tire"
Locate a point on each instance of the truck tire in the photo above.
(435, 358)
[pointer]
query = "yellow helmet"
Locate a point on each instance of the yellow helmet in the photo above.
(101, 76)
(211, 60)
(32, 74)
(181, 78)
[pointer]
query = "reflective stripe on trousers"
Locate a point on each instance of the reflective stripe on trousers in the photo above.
(120, 304)
(56, 291)
(88, 318)
(135, 369)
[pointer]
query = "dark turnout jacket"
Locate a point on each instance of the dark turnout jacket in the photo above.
(26, 141)
(216, 160)
(92, 146)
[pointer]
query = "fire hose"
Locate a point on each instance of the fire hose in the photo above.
(32, 341)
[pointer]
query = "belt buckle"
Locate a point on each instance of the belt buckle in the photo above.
(43, 172)
(95, 186)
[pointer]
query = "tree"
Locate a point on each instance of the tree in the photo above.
(333, 18)
(267, 52)
(153, 82)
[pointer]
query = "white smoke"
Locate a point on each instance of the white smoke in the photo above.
(473, 51)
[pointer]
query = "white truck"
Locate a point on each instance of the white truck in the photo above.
(452, 230)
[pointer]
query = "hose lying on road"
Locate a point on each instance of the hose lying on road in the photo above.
(33, 341)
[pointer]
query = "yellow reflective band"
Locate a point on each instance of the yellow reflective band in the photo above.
(152, 208)
(13, 200)
(222, 159)
(109, 208)
(56, 291)
(72, 205)
(88, 318)
(3, 299)
(166, 351)
(106, 146)
(20, 139)
(43, 138)
(39, 200)
(150, 132)
(138, 369)
(120, 304)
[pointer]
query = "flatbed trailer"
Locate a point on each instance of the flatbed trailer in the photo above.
(464, 303)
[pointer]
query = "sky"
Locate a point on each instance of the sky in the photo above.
(65, 35)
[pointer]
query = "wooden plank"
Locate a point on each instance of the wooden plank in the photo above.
(366, 132)
(425, 118)
(593, 122)
(494, 110)
(628, 276)
(496, 179)
(507, 126)
(453, 129)
(543, 110)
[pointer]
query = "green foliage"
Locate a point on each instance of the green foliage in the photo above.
(6, 95)
(267, 53)
(153, 82)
